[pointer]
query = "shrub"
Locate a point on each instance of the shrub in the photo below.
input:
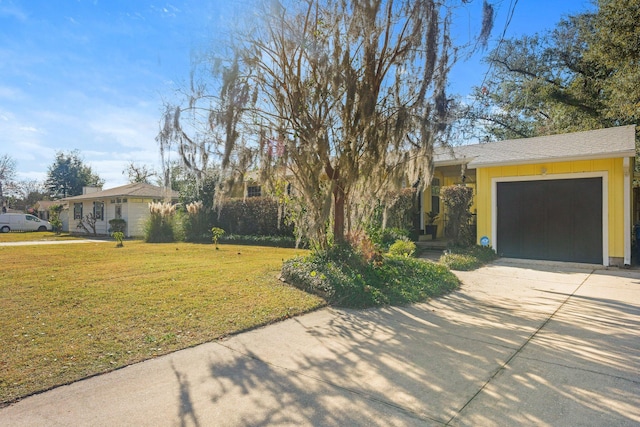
(458, 199)
(384, 238)
(343, 278)
(364, 246)
(160, 226)
(256, 216)
(460, 262)
(310, 275)
(195, 224)
(400, 209)
(465, 259)
(403, 248)
(118, 225)
(275, 241)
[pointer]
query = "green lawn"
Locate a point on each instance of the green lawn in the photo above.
(71, 311)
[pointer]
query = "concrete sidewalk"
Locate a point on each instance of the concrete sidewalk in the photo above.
(516, 345)
(54, 242)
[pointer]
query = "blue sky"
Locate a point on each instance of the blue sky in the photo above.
(92, 74)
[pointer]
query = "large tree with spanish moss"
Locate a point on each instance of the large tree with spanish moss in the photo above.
(343, 99)
(581, 75)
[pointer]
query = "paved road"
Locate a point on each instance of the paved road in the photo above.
(530, 344)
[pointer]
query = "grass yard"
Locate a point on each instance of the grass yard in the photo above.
(71, 311)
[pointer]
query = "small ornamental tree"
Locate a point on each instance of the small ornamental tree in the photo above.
(119, 236)
(54, 218)
(88, 224)
(216, 233)
(458, 199)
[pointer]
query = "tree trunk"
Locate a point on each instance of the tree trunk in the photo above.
(338, 213)
(339, 198)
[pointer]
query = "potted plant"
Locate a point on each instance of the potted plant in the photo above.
(431, 227)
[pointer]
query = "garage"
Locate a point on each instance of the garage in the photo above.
(551, 219)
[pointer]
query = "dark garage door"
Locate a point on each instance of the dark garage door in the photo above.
(558, 220)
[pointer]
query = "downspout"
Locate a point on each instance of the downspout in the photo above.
(627, 210)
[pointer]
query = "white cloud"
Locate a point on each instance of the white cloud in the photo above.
(107, 136)
(128, 127)
(120, 135)
(29, 129)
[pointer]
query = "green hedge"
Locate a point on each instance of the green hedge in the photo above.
(274, 241)
(256, 216)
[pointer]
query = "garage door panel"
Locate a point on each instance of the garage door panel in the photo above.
(560, 220)
(516, 199)
(551, 219)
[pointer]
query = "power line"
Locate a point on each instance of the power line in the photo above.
(510, 13)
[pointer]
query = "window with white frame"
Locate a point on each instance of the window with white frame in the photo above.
(98, 210)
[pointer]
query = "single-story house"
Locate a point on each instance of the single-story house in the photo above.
(129, 202)
(41, 208)
(563, 197)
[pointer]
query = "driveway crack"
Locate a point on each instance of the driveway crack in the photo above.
(519, 350)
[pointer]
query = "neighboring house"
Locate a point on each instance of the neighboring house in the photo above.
(252, 186)
(562, 197)
(41, 208)
(129, 202)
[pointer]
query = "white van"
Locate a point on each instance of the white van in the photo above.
(22, 222)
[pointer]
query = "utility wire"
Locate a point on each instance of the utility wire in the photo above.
(510, 13)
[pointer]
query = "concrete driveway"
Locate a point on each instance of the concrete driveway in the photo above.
(518, 344)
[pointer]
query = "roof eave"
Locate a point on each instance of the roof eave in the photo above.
(600, 156)
(111, 196)
(454, 162)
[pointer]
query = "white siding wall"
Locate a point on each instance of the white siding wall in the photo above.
(87, 207)
(135, 212)
(64, 217)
